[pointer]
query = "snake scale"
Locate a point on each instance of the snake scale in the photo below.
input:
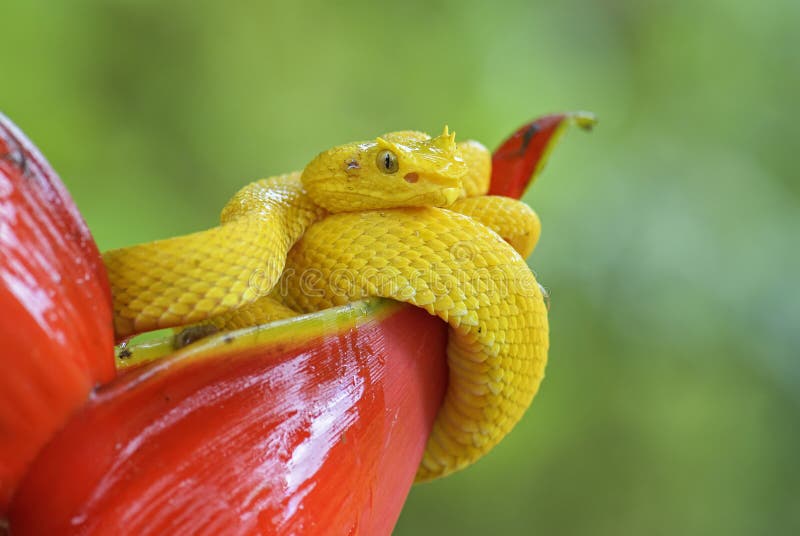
(403, 216)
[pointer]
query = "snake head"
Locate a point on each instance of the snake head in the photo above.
(399, 169)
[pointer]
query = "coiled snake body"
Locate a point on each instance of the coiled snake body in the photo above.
(369, 219)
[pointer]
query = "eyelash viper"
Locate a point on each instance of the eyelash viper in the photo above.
(404, 216)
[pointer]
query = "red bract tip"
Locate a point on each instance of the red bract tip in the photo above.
(520, 158)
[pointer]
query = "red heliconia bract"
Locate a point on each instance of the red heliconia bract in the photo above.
(521, 157)
(318, 431)
(56, 334)
(314, 425)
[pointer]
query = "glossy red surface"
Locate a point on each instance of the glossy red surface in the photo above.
(55, 307)
(324, 438)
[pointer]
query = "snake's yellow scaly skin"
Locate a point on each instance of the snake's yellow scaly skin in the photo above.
(479, 168)
(458, 270)
(369, 219)
(514, 221)
(190, 278)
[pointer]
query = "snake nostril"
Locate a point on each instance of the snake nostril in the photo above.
(411, 177)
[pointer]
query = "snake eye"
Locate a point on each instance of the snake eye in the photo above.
(387, 162)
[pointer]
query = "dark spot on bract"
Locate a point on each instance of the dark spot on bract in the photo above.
(18, 159)
(228, 339)
(192, 334)
(529, 134)
(124, 353)
(527, 137)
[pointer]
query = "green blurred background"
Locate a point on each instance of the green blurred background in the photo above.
(670, 242)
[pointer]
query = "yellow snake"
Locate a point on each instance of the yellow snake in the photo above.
(404, 216)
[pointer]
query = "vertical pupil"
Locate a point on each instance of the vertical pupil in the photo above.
(388, 161)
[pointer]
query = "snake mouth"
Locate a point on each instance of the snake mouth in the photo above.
(438, 180)
(439, 197)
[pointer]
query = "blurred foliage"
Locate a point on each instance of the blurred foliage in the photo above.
(670, 242)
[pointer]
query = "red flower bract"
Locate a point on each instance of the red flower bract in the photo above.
(521, 157)
(313, 426)
(55, 331)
